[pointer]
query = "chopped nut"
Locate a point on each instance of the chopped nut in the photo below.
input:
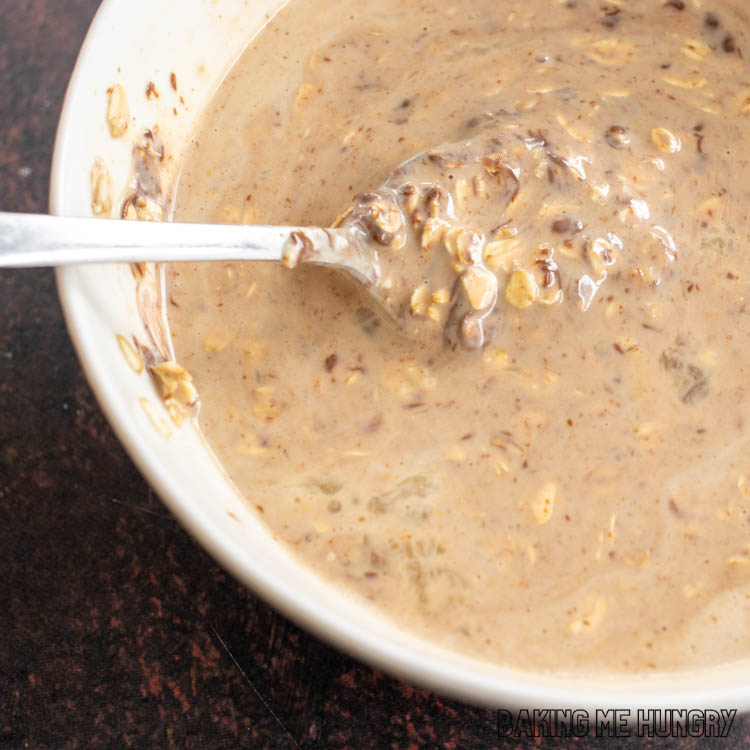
(117, 111)
(522, 289)
(101, 189)
(174, 382)
(386, 217)
(464, 244)
(665, 140)
(480, 286)
(544, 503)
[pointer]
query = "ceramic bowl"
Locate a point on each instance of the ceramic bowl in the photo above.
(139, 44)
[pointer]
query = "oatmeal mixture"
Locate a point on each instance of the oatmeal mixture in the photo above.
(560, 478)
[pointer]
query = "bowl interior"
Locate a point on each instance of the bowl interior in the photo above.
(130, 45)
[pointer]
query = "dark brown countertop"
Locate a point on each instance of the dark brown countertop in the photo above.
(116, 629)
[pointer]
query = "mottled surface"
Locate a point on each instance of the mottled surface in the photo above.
(596, 446)
(115, 629)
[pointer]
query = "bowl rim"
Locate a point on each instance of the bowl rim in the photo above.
(517, 690)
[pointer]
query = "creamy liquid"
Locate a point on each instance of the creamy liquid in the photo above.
(574, 493)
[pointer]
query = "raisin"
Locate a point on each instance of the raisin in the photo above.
(729, 45)
(617, 137)
(566, 225)
(712, 21)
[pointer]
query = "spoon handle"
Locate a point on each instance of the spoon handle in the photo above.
(28, 240)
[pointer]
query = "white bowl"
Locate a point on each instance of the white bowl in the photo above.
(133, 42)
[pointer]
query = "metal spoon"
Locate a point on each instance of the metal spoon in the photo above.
(32, 240)
(382, 241)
